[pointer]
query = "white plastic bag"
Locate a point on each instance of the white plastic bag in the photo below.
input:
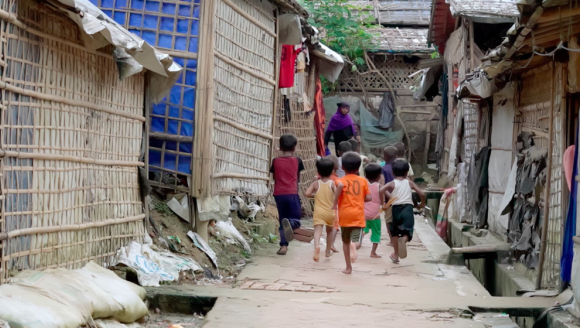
(154, 266)
(227, 229)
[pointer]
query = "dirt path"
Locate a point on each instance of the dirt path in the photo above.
(293, 291)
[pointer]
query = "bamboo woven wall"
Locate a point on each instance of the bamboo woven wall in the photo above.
(70, 190)
(471, 129)
(244, 77)
(535, 105)
(393, 68)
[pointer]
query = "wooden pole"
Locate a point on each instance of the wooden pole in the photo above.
(277, 59)
(546, 212)
(427, 142)
(471, 46)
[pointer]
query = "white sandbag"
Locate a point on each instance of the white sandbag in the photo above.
(109, 323)
(66, 291)
(76, 288)
(229, 230)
(4, 324)
(129, 295)
(24, 307)
(154, 265)
(138, 290)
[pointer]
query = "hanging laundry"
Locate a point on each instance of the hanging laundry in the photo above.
(319, 119)
(387, 111)
(287, 65)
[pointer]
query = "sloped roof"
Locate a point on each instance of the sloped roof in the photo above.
(494, 10)
(397, 12)
(401, 40)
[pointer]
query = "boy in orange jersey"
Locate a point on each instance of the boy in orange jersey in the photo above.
(352, 191)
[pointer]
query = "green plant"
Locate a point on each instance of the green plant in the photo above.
(344, 28)
(163, 208)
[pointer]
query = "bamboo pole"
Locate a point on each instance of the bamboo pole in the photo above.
(71, 227)
(243, 128)
(244, 69)
(249, 17)
(277, 60)
(76, 159)
(546, 214)
(239, 176)
(68, 101)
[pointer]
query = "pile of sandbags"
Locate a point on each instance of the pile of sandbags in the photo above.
(60, 298)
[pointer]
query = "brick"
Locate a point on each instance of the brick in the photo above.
(288, 288)
(303, 288)
(296, 283)
(318, 289)
(303, 238)
(259, 286)
(282, 281)
(331, 290)
(274, 286)
(304, 232)
(247, 284)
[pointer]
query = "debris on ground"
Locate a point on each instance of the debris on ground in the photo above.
(154, 265)
(179, 204)
(231, 242)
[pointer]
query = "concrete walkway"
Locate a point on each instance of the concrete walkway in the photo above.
(294, 291)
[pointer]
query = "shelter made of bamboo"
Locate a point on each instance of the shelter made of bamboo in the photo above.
(534, 103)
(72, 112)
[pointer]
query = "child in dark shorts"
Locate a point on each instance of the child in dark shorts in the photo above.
(403, 223)
(286, 171)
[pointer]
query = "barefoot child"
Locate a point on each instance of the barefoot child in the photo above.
(401, 155)
(343, 147)
(286, 171)
(389, 155)
(373, 208)
(351, 194)
(336, 227)
(323, 193)
(401, 227)
(365, 160)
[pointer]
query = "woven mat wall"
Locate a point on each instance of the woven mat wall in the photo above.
(70, 191)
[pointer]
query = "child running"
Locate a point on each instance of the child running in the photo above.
(323, 193)
(364, 160)
(401, 228)
(373, 208)
(389, 155)
(286, 171)
(351, 194)
(336, 227)
(343, 147)
(401, 155)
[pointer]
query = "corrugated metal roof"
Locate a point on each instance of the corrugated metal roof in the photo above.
(401, 40)
(397, 12)
(484, 8)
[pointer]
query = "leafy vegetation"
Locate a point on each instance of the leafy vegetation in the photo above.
(344, 28)
(163, 208)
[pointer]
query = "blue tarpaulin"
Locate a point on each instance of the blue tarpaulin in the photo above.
(171, 25)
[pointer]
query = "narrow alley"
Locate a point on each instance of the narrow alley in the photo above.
(293, 291)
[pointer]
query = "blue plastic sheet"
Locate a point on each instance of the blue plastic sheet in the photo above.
(171, 25)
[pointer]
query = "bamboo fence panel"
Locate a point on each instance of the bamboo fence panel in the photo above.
(70, 189)
(393, 69)
(244, 86)
(301, 126)
(534, 108)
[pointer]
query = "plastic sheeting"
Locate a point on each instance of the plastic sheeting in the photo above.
(100, 32)
(156, 22)
(371, 135)
(500, 162)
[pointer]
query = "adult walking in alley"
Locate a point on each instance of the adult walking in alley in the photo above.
(341, 127)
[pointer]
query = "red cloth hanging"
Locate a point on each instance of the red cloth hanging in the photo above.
(319, 119)
(287, 63)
